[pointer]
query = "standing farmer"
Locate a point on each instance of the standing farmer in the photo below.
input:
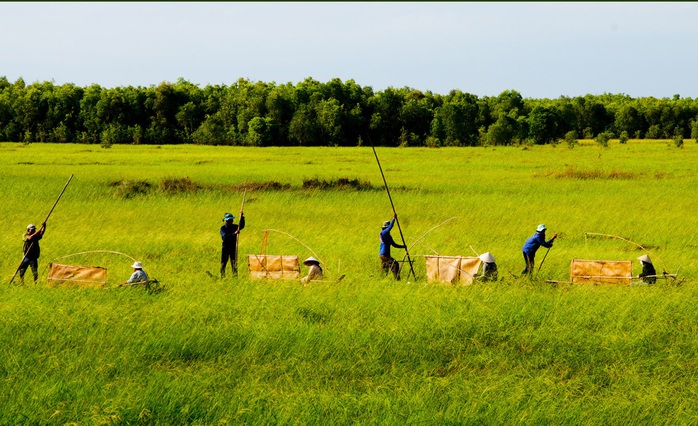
(531, 247)
(229, 235)
(31, 251)
(387, 262)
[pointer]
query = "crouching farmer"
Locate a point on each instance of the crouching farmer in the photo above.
(315, 271)
(489, 268)
(648, 274)
(138, 275)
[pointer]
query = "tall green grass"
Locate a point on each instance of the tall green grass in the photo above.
(365, 350)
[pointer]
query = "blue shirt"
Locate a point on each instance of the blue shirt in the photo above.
(387, 240)
(532, 244)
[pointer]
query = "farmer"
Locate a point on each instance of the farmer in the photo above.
(229, 235)
(315, 271)
(489, 268)
(387, 262)
(138, 275)
(648, 273)
(531, 247)
(31, 251)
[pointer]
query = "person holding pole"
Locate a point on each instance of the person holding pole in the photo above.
(229, 235)
(387, 262)
(31, 251)
(532, 245)
(392, 265)
(35, 240)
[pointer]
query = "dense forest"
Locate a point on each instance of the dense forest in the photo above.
(336, 113)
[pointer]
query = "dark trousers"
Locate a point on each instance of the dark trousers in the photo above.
(530, 260)
(390, 264)
(33, 263)
(228, 254)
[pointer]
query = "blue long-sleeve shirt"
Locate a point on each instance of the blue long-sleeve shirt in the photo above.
(387, 240)
(228, 233)
(532, 244)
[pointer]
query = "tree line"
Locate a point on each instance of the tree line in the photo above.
(336, 113)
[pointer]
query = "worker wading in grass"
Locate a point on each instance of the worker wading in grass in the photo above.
(489, 268)
(31, 251)
(315, 272)
(138, 275)
(31, 239)
(532, 245)
(387, 262)
(648, 273)
(387, 241)
(229, 235)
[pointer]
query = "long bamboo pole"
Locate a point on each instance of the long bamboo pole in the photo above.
(237, 238)
(628, 241)
(96, 251)
(541, 262)
(43, 226)
(397, 221)
(437, 226)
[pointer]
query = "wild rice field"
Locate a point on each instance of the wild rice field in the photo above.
(366, 349)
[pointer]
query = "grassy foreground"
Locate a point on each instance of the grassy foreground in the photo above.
(366, 350)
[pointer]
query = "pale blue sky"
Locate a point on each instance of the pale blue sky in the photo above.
(542, 50)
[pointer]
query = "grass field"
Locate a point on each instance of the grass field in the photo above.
(366, 350)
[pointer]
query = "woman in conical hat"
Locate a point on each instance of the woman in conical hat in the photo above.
(315, 272)
(489, 268)
(648, 273)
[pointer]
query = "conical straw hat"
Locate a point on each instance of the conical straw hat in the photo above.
(487, 257)
(644, 258)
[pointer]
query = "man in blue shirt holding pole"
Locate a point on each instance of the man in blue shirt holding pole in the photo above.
(387, 262)
(532, 245)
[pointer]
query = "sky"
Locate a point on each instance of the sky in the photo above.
(539, 49)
